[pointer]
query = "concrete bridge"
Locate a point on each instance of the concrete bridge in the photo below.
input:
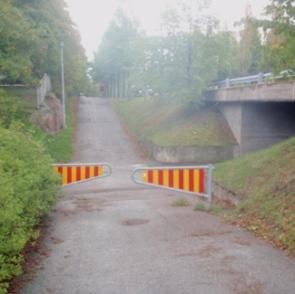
(259, 115)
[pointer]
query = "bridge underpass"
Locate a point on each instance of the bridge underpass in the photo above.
(258, 115)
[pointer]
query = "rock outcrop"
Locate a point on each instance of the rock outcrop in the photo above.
(49, 116)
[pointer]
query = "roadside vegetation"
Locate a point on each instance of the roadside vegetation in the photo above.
(173, 124)
(30, 36)
(180, 203)
(28, 185)
(266, 182)
(28, 188)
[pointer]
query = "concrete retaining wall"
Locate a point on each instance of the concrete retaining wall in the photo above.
(189, 154)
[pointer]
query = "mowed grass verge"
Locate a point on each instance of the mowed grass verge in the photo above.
(266, 182)
(173, 124)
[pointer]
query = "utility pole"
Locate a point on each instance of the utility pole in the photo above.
(63, 99)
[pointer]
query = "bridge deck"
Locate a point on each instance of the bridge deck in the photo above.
(275, 92)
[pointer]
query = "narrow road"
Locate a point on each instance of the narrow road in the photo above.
(111, 236)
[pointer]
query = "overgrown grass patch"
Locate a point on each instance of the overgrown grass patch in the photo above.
(266, 181)
(200, 207)
(173, 124)
(180, 203)
(212, 208)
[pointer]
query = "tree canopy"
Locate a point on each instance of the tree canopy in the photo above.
(177, 64)
(30, 36)
(192, 51)
(279, 35)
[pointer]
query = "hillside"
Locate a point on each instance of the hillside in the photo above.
(266, 182)
(174, 124)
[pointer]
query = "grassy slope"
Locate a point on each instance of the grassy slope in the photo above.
(266, 181)
(168, 124)
(58, 146)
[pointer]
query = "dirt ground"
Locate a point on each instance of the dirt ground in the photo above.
(111, 236)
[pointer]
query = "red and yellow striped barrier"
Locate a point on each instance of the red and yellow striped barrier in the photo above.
(190, 179)
(79, 172)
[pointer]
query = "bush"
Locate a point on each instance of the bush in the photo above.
(11, 109)
(28, 188)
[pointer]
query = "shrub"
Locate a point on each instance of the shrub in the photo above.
(28, 188)
(11, 109)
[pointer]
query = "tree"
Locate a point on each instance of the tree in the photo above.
(250, 48)
(279, 49)
(30, 36)
(115, 56)
(17, 39)
(177, 65)
(191, 53)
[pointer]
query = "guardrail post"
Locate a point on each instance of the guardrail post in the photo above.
(209, 183)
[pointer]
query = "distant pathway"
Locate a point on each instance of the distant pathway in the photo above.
(111, 236)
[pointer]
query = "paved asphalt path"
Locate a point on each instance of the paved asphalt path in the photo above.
(111, 236)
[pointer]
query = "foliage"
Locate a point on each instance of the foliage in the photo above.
(17, 39)
(28, 187)
(30, 35)
(279, 47)
(266, 181)
(191, 52)
(177, 65)
(115, 56)
(13, 113)
(250, 47)
(11, 109)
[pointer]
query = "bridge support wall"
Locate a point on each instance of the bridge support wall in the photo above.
(257, 125)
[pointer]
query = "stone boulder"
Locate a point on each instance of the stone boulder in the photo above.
(49, 116)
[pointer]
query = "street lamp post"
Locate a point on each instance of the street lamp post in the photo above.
(63, 99)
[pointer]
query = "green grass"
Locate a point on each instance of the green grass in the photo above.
(200, 207)
(16, 110)
(180, 203)
(172, 124)
(266, 182)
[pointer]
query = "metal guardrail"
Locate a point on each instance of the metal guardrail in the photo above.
(259, 78)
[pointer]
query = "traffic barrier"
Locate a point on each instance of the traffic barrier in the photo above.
(80, 172)
(188, 179)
